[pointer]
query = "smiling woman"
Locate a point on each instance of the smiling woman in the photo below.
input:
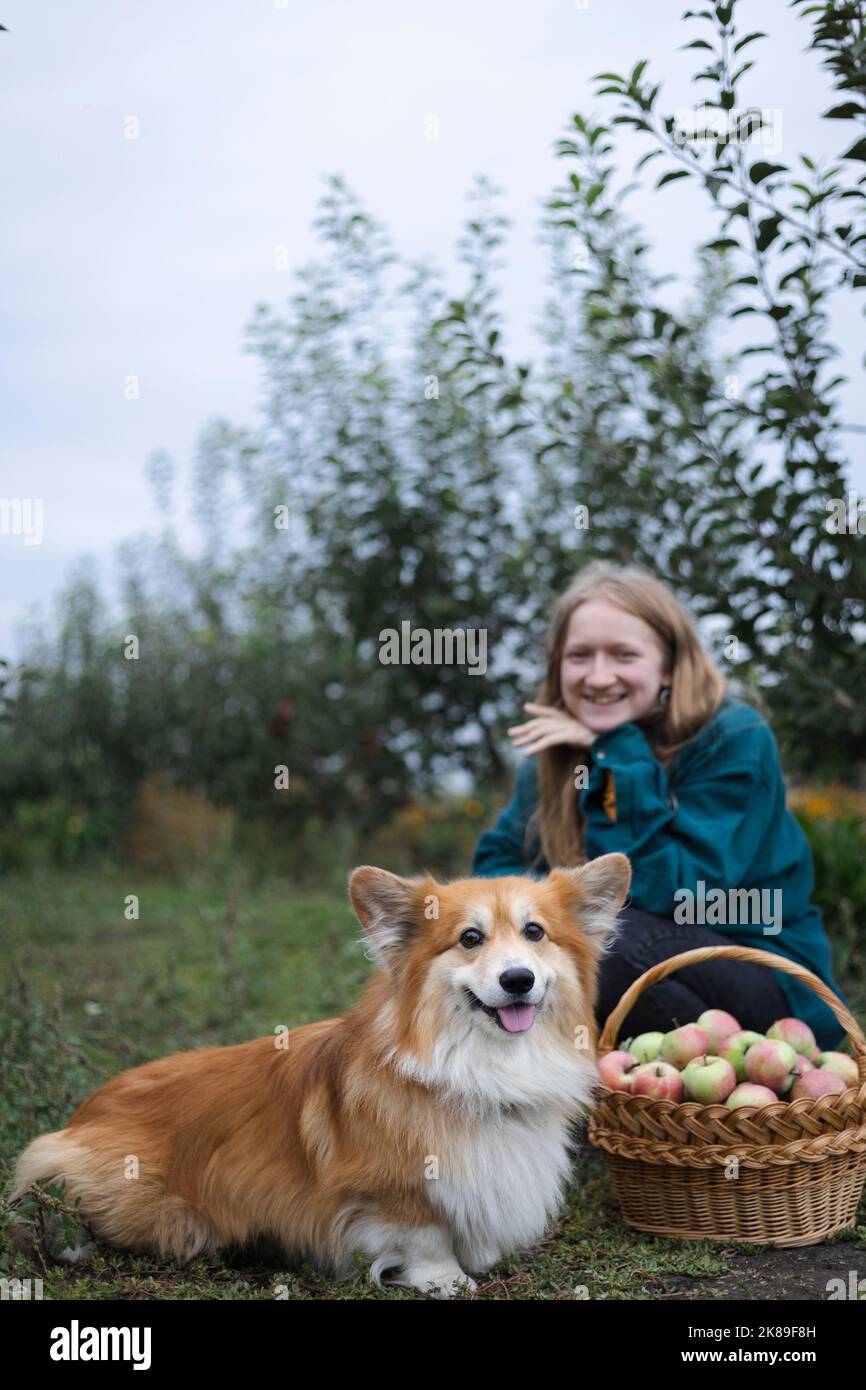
(615, 667)
(635, 747)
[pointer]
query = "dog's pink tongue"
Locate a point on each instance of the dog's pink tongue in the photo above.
(517, 1018)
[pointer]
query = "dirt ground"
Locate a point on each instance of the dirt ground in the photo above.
(798, 1273)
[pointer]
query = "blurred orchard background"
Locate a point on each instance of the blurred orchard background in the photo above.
(405, 464)
(681, 354)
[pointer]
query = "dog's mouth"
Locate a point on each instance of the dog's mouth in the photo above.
(511, 1018)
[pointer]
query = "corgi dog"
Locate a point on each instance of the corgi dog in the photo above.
(427, 1129)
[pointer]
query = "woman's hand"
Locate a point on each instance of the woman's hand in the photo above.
(551, 726)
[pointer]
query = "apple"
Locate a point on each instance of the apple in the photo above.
(797, 1034)
(718, 1026)
(659, 1080)
(682, 1045)
(749, 1094)
(735, 1048)
(771, 1063)
(645, 1047)
(802, 1065)
(615, 1070)
(841, 1064)
(709, 1080)
(817, 1083)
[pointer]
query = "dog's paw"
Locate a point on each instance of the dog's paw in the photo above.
(444, 1285)
(437, 1281)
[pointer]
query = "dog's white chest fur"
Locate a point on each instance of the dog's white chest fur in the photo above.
(501, 1182)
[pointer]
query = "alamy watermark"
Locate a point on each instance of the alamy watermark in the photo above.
(847, 515)
(729, 906)
(710, 125)
(22, 516)
(16, 1290)
(440, 647)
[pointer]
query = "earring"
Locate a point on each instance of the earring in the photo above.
(665, 695)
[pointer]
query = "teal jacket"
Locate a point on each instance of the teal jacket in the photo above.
(717, 815)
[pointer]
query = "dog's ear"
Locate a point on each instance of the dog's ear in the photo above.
(387, 908)
(600, 889)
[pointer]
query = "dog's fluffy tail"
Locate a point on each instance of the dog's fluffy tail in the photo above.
(49, 1156)
(133, 1215)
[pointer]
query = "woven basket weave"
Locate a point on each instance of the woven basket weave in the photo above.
(801, 1164)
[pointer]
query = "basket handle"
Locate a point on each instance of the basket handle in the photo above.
(744, 953)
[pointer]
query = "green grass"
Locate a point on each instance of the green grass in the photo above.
(216, 961)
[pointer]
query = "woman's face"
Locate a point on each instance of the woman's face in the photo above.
(612, 667)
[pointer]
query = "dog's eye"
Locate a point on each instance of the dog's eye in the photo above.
(533, 931)
(471, 937)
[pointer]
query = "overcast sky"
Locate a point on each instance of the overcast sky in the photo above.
(146, 256)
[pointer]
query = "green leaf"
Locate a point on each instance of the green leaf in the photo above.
(768, 230)
(857, 151)
(764, 500)
(671, 175)
(848, 111)
(762, 170)
(741, 43)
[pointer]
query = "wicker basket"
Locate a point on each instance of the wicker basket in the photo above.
(801, 1163)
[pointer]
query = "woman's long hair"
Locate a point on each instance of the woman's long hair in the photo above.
(697, 690)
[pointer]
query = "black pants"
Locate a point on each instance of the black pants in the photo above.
(750, 992)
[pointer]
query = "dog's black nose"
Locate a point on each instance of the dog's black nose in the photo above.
(517, 981)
